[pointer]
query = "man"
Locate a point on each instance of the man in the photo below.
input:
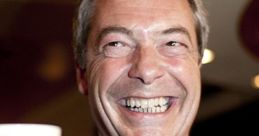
(139, 61)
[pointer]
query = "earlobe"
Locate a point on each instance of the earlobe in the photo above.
(81, 81)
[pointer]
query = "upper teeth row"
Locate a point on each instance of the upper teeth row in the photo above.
(145, 103)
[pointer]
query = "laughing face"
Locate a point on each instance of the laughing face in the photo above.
(143, 67)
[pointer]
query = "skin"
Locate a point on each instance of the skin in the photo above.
(142, 49)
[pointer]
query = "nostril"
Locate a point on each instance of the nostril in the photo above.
(141, 80)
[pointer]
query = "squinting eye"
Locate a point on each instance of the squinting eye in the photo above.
(173, 43)
(115, 44)
(173, 48)
(116, 49)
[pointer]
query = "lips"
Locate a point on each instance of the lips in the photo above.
(147, 105)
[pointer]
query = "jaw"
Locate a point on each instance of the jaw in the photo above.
(128, 122)
(138, 111)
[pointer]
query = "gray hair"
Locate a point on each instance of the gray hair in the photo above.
(83, 21)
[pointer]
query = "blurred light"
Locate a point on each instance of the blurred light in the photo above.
(208, 56)
(256, 82)
(54, 66)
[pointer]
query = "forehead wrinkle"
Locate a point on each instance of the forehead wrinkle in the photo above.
(141, 33)
(153, 32)
(138, 33)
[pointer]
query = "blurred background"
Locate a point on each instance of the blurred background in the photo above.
(37, 79)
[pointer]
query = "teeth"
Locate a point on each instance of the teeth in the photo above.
(151, 103)
(156, 102)
(162, 101)
(144, 103)
(163, 108)
(138, 104)
(123, 102)
(153, 110)
(158, 109)
(149, 110)
(128, 103)
(132, 103)
(154, 105)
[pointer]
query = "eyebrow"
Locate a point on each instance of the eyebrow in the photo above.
(118, 29)
(180, 29)
(113, 29)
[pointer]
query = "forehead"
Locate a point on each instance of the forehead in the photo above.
(144, 14)
(143, 8)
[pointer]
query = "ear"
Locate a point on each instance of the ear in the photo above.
(200, 63)
(200, 60)
(81, 80)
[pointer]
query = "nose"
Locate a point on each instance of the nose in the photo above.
(146, 66)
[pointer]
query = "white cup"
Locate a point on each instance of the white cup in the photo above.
(29, 130)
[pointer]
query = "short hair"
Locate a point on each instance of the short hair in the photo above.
(83, 21)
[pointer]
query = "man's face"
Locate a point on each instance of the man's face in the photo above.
(143, 70)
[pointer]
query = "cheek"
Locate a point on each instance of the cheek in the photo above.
(186, 71)
(108, 72)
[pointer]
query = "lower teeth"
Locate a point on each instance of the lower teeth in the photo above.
(150, 110)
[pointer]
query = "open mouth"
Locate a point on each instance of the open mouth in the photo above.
(143, 105)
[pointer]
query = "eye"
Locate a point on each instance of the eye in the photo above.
(173, 43)
(115, 44)
(173, 48)
(116, 49)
